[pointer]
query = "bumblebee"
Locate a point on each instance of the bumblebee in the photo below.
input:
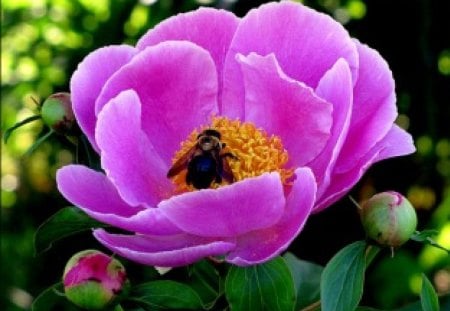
(206, 161)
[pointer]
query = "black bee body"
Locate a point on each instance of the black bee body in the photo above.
(205, 161)
(202, 170)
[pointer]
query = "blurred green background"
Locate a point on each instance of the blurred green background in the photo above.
(44, 40)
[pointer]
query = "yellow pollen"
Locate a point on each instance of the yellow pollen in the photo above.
(256, 152)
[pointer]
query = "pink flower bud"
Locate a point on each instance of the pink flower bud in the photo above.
(92, 279)
(389, 218)
(57, 113)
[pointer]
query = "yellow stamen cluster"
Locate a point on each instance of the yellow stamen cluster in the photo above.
(256, 152)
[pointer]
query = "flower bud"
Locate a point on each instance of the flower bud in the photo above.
(57, 113)
(389, 218)
(92, 279)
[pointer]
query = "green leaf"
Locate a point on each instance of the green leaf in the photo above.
(64, 223)
(48, 298)
(421, 236)
(165, 294)
(371, 252)
(425, 238)
(342, 281)
(306, 280)
(205, 280)
(428, 296)
(267, 286)
(417, 306)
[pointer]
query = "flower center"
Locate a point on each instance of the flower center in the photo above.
(247, 150)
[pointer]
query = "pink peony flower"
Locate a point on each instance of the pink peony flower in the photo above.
(304, 108)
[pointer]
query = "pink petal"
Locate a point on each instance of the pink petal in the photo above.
(129, 159)
(88, 80)
(94, 194)
(285, 107)
(165, 251)
(261, 245)
(209, 28)
(396, 143)
(374, 109)
(84, 186)
(336, 88)
(228, 211)
(306, 44)
(94, 266)
(177, 85)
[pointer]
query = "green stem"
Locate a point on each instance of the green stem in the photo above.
(37, 143)
(86, 149)
(312, 307)
(354, 202)
(118, 308)
(36, 102)
(9, 131)
(435, 244)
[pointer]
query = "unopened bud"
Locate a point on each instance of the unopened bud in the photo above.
(92, 280)
(389, 218)
(57, 113)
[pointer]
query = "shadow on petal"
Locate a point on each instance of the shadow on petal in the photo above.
(247, 205)
(165, 251)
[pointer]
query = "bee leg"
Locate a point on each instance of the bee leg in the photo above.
(229, 155)
(189, 178)
(218, 178)
(219, 171)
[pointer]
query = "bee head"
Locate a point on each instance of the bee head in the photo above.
(209, 132)
(209, 139)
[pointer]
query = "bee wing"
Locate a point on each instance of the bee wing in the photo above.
(227, 173)
(182, 162)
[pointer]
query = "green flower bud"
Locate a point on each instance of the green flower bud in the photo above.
(389, 218)
(57, 113)
(92, 280)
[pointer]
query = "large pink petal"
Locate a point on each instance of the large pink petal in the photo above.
(285, 107)
(396, 143)
(374, 109)
(129, 159)
(209, 28)
(261, 245)
(306, 44)
(176, 82)
(247, 205)
(165, 251)
(335, 87)
(88, 80)
(94, 194)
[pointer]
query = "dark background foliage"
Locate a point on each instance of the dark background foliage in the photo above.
(43, 41)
